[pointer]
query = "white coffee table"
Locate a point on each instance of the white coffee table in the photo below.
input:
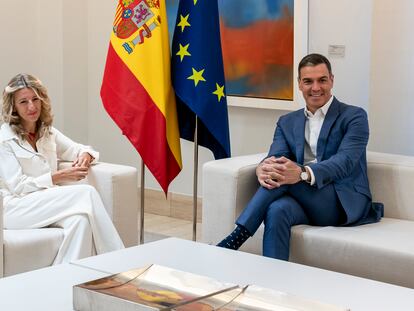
(50, 288)
(44, 289)
(243, 268)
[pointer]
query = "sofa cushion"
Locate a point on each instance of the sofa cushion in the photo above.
(22, 249)
(382, 251)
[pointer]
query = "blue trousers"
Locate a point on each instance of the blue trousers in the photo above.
(290, 205)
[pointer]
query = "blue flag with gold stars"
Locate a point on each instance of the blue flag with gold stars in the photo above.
(198, 76)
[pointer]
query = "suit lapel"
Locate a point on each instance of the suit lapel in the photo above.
(299, 134)
(330, 118)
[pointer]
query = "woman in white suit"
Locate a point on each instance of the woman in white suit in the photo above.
(32, 186)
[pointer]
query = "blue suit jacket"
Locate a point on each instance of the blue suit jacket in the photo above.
(341, 156)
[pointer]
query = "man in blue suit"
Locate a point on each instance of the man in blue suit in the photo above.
(316, 169)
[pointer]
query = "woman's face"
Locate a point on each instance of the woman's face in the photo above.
(28, 106)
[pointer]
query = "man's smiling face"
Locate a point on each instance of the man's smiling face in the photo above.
(315, 83)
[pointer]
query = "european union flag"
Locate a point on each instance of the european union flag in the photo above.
(198, 76)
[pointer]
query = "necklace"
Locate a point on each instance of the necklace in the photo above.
(31, 136)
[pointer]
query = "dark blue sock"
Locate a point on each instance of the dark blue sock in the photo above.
(235, 239)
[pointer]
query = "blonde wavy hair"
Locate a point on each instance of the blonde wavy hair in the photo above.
(9, 113)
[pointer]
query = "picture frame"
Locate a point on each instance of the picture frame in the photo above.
(300, 49)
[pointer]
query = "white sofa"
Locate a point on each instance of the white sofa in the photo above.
(382, 251)
(25, 250)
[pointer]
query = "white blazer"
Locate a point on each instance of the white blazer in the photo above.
(23, 170)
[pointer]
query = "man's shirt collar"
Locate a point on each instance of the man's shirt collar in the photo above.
(323, 109)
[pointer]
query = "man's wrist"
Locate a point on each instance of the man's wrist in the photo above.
(258, 168)
(309, 174)
(305, 175)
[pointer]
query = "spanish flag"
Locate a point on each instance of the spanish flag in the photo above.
(136, 89)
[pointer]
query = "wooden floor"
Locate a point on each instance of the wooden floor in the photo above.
(157, 227)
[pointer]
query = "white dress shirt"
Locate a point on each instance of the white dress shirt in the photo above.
(23, 170)
(313, 127)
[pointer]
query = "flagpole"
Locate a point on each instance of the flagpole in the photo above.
(195, 179)
(141, 225)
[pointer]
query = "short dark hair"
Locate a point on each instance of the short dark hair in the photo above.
(313, 60)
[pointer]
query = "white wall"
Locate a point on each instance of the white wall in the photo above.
(391, 107)
(75, 69)
(31, 42)
(344, 23)
(50, 42)
(66, 45)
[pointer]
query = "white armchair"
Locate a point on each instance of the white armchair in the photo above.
(29, 249)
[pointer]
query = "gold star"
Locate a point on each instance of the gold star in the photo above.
(183, 22)
(219, 92)
(183, 51)
(197, 76)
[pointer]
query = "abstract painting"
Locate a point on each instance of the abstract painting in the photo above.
(257, 43)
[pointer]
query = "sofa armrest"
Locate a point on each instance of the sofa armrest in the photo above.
(391, 179)
(1, 237)
(228, 184)
(118, 188)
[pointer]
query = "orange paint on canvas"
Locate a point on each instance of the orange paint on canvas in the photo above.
(247, 50)
(258, 57)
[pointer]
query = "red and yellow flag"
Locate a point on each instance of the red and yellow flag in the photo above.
(136, 89)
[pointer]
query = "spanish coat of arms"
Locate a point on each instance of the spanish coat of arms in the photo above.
(135, 17)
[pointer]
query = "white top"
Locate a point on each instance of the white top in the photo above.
(313, 127)
(23, 170)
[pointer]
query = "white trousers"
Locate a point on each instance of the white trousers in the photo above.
(78, 209)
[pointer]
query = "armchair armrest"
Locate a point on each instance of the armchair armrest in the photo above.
(118, 188)
(1, 237)
(228, 185)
